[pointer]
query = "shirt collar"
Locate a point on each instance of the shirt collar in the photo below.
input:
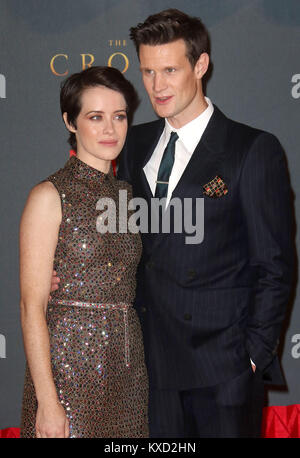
(191, 133)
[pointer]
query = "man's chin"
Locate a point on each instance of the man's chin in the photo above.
(163, 112)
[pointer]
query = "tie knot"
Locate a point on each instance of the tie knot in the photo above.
(173, 138)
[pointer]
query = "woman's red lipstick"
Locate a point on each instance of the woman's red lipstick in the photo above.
(108, 142)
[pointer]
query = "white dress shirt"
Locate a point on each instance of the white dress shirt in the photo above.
(189, 137)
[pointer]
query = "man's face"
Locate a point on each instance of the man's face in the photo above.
(172, 84)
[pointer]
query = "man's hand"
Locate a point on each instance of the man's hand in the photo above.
(54, 282)
(253, 366)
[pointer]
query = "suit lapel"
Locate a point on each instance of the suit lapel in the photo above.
(147, 146)
(209, 153)
(204, 163)
(202, 167)
(150, 141)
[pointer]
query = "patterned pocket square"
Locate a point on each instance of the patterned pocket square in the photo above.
(215, 188)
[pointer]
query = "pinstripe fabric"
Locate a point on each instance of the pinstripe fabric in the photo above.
(205, 309)
(231, 409)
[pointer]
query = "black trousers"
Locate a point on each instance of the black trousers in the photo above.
(232, 409)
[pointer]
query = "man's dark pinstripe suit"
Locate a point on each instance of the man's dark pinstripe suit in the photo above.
(206, 309)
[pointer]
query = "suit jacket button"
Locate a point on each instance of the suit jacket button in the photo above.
(192, 274)
(143, 309)
(150, 264)
(187, 317)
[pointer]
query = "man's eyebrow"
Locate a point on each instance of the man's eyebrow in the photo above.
(166, 66)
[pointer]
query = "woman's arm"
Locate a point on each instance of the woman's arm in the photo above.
(38, 239)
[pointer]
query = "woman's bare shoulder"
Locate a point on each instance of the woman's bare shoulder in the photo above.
(43, 199)
(44, 192)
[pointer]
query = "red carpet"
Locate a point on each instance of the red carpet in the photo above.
(281, 422)
(9, 432)
(278, 422)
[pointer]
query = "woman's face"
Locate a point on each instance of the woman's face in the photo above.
(101, 126)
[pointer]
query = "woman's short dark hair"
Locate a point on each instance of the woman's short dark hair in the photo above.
(73, 87)
(171, 25)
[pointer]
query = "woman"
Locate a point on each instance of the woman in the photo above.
(86, 375)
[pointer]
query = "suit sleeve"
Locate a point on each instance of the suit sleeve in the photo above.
(267, 209)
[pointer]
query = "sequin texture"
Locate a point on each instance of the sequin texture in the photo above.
(96, 344)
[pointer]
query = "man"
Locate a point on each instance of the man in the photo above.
(206, 309)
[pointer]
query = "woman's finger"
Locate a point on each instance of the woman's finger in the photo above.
(67, 428)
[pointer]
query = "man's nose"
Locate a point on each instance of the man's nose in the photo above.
(159, 83)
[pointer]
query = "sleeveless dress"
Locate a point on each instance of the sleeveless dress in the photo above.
(97, 354)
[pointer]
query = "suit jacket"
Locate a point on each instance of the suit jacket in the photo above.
(206, 309)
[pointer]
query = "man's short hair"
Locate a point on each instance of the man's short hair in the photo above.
(171, 25)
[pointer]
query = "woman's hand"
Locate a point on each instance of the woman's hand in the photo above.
(51, 421)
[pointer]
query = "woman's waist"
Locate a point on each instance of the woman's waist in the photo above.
(97, 286)
(91, 303)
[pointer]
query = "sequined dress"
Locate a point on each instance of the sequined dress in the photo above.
(97, 354)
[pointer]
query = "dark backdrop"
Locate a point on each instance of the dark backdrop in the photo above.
(255, 80)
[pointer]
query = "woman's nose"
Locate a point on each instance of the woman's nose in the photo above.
(108, 126)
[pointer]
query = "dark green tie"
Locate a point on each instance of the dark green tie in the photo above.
(165, 167)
